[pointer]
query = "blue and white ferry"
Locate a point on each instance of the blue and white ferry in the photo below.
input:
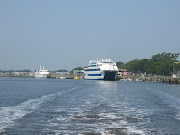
(104, 69)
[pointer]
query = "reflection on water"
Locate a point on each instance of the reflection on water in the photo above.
(88, 107)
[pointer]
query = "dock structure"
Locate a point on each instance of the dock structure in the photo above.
(155, 78)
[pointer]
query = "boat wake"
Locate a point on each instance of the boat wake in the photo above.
(86, 119)
(9, 115)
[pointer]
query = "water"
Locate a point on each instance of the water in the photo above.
(70, 107)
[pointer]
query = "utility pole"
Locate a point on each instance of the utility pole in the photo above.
(173, 68)
(173, 65)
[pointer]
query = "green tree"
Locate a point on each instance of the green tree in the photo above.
(163, 63)
(62, 70)
(77, 68)
(159, 64)
(132, 65)
(120, 64)
(165, 57)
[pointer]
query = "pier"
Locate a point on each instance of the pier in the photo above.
(155, 79)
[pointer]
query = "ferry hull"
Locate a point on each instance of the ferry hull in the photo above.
(93, 77)
(39, 75)
(110, 75)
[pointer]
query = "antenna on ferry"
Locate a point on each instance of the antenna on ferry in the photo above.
(40, 67)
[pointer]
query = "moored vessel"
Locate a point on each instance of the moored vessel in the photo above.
(41, 73)
(104, 69)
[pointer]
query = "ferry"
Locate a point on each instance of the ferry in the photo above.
(104, 69)
(41, 73)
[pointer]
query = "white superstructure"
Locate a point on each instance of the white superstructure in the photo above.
(41, 73)
(100, 70)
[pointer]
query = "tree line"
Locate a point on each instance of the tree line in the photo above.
(11, 70)
(159, 64)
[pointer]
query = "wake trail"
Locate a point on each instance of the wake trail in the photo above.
(8, 115)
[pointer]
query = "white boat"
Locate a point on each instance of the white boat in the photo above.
(41, 73)
(101, 70)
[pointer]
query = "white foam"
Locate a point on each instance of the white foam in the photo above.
(8, 115)
(133, 130)
(104, 120)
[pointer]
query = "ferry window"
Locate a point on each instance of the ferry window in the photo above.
(93, 65)
(94, 74)
(92, 69)
(107, 62)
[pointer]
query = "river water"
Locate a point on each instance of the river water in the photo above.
(79, 107)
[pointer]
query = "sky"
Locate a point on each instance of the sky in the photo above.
(64, 34)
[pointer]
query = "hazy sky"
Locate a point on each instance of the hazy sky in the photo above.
(64, 34)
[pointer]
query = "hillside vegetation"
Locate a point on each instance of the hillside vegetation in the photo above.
(159, 64)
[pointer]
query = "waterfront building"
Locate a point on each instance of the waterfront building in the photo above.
(123, 73)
